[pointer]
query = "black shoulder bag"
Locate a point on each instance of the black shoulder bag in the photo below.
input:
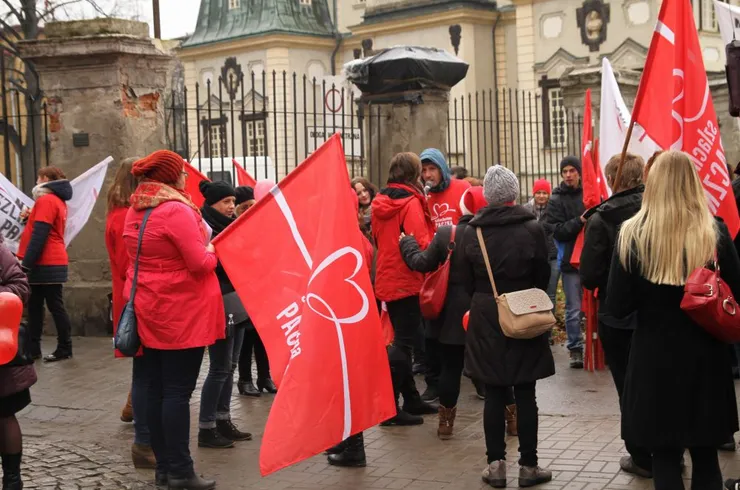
(127, 335)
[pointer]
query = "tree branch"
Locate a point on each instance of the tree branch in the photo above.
(97, 7)
(53, 9)
(10, 28)
(14, 11)
(11, 46)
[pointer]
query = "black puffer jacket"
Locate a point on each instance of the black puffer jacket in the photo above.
(517, 250)
(598, 246)
(448, 327)
(552, 250)
(563, 213)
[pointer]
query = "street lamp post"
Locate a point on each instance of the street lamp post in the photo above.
(155, 11)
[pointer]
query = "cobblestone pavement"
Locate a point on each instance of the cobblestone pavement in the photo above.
(75, 440)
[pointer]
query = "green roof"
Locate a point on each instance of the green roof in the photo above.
(217, 23)
(411, 8)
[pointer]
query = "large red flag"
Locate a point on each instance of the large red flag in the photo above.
(192, 185)
(681, 116)
(242, 176)
(301, 275)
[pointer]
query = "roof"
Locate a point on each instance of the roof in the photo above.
(218, 23)
(411, 8)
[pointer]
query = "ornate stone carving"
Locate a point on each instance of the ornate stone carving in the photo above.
(455, 37)
(231, 75)
(593, 18)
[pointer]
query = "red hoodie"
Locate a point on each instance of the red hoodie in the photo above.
(398, 208)
(445, 206)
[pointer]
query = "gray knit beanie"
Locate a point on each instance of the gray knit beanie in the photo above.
(500, 186)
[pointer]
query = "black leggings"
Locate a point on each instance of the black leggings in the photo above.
(252, 341)
(494, 424)
(405, 315)
(452, 358)
(705, 475)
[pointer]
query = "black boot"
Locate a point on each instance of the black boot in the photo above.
(338, 448)
(353, 455)
(267, 385)
(213, 439)
(161, 479)
(227, 429)
(195, 482)
(247, 388)
(12, 472)
(414, 405)
(403, 419)
(58, 355)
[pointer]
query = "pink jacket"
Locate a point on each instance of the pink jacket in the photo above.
(178, 300)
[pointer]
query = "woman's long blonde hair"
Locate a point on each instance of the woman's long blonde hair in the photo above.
(674, 231)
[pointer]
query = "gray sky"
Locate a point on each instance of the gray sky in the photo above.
(177, 16)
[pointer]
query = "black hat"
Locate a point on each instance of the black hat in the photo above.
(244, 193)
(570, 161)
(215, 191)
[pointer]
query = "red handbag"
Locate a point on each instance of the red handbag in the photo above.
(708, 300)
(434, 291)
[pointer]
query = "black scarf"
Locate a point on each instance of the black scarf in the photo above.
(217, 221)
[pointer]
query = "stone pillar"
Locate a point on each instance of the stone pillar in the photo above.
(404, 126)
(105, 83)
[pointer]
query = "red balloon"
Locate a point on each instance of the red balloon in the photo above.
(466, 318)
(11, 310)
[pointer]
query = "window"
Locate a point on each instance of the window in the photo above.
(217, 147)
(256, 146)
(707, 16)
(233, 4)
(558, 121)
(305, 2)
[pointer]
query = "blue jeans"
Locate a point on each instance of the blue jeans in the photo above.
(552, 288)
(573, 296)
(139, 389)
(215, 396)
(172, 376)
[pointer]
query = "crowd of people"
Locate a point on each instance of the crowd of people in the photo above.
(673, 378)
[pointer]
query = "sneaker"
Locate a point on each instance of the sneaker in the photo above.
(57, 356)
(227, 429)
(430, 395)
(576, 359)
(195, 482)
(213, 439)
(403, 419)
(628, 466)
(495, 474)
(530, 476)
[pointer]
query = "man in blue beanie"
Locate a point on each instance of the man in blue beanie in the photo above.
(444, 193)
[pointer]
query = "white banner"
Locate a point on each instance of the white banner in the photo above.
(615, 120)
(85, 192)
(728, 20)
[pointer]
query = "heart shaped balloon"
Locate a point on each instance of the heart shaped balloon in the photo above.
(466, 318)
(11, 310)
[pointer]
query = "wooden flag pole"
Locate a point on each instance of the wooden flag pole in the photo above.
(624, 154)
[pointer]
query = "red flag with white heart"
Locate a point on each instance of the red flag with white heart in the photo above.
(300, 272)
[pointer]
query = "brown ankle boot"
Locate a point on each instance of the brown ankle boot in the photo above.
(127, 414)
(446, 422)
(511, 423)
(143, 457)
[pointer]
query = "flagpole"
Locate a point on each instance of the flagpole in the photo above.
(624, 154)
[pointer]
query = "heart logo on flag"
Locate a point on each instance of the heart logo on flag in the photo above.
(329, 311)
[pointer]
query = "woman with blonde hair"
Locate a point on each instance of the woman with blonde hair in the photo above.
(679, 392)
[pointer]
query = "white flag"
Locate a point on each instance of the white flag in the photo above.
(728, 20)
(615, 120)
(85, 191)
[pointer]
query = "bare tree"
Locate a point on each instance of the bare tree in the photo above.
(23, 20)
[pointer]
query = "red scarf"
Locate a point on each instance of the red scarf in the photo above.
(150, 194)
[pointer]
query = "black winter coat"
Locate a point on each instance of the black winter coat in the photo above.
(448, 327)
(564, 213)
(598, 246)
(736, 191)
(679, 391)
(552, 249)
(517, 250)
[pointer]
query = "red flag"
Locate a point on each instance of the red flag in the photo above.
(242, 176)
(300, 272)
(192, 185)
(680, 114)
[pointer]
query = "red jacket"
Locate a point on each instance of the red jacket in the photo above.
(50, 209)
(398, 208)
(178, 300)
(445, 206)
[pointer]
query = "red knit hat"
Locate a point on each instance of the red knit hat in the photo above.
(541, 185)
(472, 200)
(163, 166)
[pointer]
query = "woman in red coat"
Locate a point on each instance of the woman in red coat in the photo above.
(119, 194)
(401, 208)
(179, 310)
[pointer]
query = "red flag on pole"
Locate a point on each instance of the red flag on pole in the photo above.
(314, 309)
(242, 176)
(192, 185)
(674, 105)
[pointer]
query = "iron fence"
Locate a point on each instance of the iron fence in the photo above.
(270, 122)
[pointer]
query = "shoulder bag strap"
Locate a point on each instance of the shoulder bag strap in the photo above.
(138, 251)
(451, 245)
(488, 263)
